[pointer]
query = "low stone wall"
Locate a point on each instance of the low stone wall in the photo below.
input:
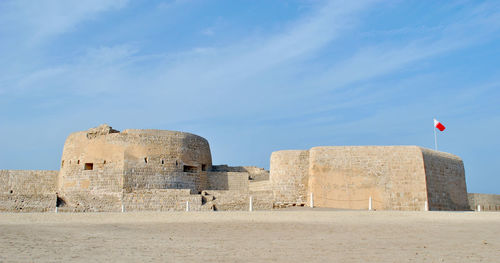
(84, 202)
(161, 200)
(260, 186)
(488, 202)
(28, 181)
(227, 181)
(237, 201)
(254, 173)
(27, 203)
(28, 190)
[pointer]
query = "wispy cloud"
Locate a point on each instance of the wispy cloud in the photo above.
(48, 18)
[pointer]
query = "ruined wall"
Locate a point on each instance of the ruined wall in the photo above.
(27, 190)
(289, 176)
(228, 181)
(488, 202)
(445, 176)
(346, 177)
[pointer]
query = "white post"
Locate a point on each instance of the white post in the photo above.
(426, 208)
(250, 207)
(370, 204)
(311, 201)
(435, 138)
(123, 208)
(479, 208)
(56, 209)
(187, 206)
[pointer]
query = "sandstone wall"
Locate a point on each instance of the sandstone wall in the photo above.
(445, 176)
(260, 186)
(162, 200)
(99, 164)
(27, 190)
(254, 173)
(232, 200)
(346, 177)
(289, 173)
(228, 181)
(488, 202)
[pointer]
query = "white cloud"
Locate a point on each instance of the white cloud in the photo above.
(47, 18)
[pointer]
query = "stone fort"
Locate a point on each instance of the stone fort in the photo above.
(105, 170)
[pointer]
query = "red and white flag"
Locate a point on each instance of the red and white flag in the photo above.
(439, 125)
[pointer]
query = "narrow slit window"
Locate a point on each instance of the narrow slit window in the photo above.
(145, 159)
(203, 167)
(162, 161)
(89, 166)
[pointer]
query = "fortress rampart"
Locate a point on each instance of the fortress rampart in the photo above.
(28, 190)
(103, 169)
(396, 177)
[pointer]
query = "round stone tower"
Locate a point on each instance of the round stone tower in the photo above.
(101, 163)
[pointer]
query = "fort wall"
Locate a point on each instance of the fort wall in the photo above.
(346, 177)
(289, 175)
(488, 202)
(100, 164)
(445, 178)
(254, 173)
(395, 177)
(28, 190)
(228, 181)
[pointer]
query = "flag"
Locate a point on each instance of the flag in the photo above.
(439, 125)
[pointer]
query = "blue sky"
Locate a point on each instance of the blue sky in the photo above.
(254, 77)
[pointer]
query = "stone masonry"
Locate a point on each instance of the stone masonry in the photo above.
(103, 169)
(395, 177)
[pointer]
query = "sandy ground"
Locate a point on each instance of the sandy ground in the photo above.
(271, 236)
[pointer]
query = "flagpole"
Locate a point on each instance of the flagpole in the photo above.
(435, 138)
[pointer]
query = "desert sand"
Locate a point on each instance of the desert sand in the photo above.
(261, 236)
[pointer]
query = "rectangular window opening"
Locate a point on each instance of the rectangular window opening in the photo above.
(203, 167)
(190, 169)
(89, 166)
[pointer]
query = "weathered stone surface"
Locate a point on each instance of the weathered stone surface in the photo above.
(102, 129)
(488, 202)
(289, 175)
(103, 169)
(28, 190)
(396, 177)
(228, 181)
(112, 162)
